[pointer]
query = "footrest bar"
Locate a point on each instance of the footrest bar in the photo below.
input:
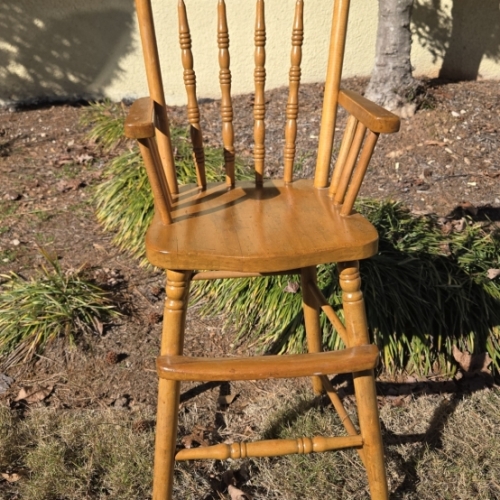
(354, 359)
(270, 448)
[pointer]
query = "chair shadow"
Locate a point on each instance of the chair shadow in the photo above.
(482, 213)
(226, 197)
(432, 438)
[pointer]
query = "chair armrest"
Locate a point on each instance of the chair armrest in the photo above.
(139, 122)
(373, 116)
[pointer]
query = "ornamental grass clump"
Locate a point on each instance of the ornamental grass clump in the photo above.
(53, 304)
(106, 119)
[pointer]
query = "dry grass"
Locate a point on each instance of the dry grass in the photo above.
(438, 446)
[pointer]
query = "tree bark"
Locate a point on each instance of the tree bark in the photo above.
(392, 82)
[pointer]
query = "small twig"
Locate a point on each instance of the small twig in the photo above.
(143, 296)
(48, 359)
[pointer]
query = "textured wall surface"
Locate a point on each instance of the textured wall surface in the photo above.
(68, 49)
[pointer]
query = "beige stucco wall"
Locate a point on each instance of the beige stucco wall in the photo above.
(70, 48)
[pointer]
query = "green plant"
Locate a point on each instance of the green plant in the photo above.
(35, 311)
(106, 119)
(425, 293)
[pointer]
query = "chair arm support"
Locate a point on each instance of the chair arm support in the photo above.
(139, 123)
(373, 116)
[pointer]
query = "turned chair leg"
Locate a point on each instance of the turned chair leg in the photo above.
(172, 342)
(311, 319)
(364, 382)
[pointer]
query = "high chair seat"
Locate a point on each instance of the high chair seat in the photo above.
(275, 227)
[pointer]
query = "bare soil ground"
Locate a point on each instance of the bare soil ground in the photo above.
(445, 160)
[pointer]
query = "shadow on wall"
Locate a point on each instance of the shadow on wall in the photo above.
(461, 38)
(60, 49)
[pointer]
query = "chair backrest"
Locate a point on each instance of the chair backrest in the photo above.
(365, 123)
(332, 85)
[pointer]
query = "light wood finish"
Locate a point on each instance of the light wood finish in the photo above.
(172, 344)
(266, 367)
(259, 106)
(314, 334)
(157, 180)
(252, 229)
(262, 228)
(155, 84)
(359, 173)
(373, 116)
(345, 147)
(328, 310)
(217, 275)
(226, 106)
(271, 448)
(350, 162)
(193, 111)
(292, 106)
(364, 381)
(139, 122)
(332, 87)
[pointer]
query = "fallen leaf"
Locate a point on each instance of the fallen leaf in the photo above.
(472, 362)
(468, 207)
(292, 287)
(69, 185)
(248, 431)
(459, 225)
(97, 246)
(421, 212)
(84, 158)
(63, 160)
(395, 154)
(237, 494)
(226, 399)
(13, 196)
(445, 248)
(493, 273)
(98, 325)
(197, 436)
(34, 394)
(11, 478)
(5, 382)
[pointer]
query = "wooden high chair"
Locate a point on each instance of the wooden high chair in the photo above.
(266, 227)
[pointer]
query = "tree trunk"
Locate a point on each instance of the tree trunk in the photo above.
(391, 82)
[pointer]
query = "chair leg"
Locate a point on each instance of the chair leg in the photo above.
(172, 343)
(311, 319)
(364, 382)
